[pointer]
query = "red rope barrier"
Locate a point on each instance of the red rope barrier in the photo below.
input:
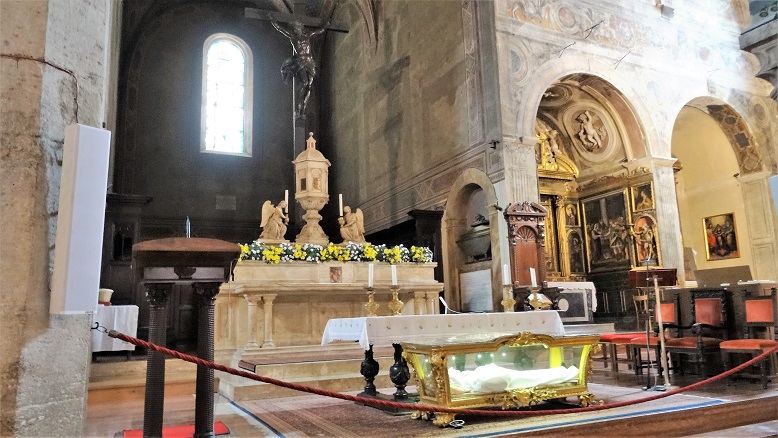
(420, 407)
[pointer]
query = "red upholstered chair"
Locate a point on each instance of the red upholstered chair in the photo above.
(760, 313)
(670, 315)
(701, 339)
(609, 342)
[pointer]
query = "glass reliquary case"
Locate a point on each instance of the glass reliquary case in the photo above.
(507, 372)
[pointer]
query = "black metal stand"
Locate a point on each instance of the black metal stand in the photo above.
(157, 294)
(399, 374)
(204, 387)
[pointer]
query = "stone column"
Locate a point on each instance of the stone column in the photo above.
(252, 301)
(432, 303)
(419, 305)
(206, 293)
(267, 306)
(521, 170)
(668, 221)
(154, 405)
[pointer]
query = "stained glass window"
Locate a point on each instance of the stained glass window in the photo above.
(226, 111)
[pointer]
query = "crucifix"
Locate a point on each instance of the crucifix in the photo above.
(300, 68)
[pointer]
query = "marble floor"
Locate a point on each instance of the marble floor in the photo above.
(108, 418)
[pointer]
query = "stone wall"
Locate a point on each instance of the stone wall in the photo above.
(158, 140)
(53, 69)
(407, 114)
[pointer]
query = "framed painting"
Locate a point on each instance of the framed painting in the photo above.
(571, 215)
(720, 237)
(643, 197)
(607, 231)
(646, 248)
(575, 251)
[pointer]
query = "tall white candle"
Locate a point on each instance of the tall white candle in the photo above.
(370, 275)
(188, 227)
(532, 277)
(340, 203)
(506, 275)
(394, 275)
(286, 200)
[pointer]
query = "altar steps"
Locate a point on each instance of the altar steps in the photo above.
(127, 380)
(332, 368)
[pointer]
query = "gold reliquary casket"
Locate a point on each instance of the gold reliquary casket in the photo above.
(507, 372)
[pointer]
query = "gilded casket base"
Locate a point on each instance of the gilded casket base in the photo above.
(545, 368)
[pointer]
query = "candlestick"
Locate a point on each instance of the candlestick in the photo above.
(188, 228)
(532, 277)
(286, 200)
(370, 275)
(506, 275)
(371, 306)
(394, 275)
(340, 203)
(507, 302)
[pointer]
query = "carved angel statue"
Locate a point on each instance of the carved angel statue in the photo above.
(590, 136)
(274, 221)
(352, 225)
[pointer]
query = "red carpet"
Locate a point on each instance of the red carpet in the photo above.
(185, 431)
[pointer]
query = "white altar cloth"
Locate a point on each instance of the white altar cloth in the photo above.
(385, 330)
(120, 318)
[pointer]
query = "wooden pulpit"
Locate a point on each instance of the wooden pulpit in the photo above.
(159, 264)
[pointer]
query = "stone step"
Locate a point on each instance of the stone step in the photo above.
(238, 388)
(132, 368)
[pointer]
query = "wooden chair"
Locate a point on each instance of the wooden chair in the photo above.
(609, 343)
(670, 315)
(760, 313)
(642, 311)
(701, 339)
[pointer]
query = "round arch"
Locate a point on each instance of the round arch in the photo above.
(553, 70)
(455, 222)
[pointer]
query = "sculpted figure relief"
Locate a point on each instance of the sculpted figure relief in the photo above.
(274, 221)
(590, 136)
(352, 225)
(301, 65)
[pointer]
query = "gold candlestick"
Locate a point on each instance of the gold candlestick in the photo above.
(507, 298)
(395, 305)
(371, 306)
(535, 302)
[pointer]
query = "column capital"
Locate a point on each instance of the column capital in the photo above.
(207, 291)
(268, 298)
(158, 293)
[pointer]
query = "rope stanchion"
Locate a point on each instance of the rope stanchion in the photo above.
(427, 408)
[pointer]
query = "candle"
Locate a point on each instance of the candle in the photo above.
(286, 200)
(340, 203)
(188, 227)
(370, 275)
(394, 275)
(532, 277)
(506, 275)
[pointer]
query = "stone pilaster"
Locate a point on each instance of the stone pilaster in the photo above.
(668, 220)
(761, 225)
(267, 305)
(521, 170)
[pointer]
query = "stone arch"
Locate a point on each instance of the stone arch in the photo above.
(744, 186)
(552, 71)
(455, 223)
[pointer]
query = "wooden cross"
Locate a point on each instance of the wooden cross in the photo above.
(282, 17)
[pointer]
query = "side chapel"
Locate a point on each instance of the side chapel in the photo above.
(647, 130)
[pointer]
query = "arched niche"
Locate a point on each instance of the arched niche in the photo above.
(723, 182)
(472, 193)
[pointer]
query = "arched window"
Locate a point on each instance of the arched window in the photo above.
(227, 96)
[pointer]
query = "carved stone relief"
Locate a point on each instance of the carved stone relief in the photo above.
(592, 133)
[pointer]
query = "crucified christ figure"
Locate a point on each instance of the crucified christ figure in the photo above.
(301, 65)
